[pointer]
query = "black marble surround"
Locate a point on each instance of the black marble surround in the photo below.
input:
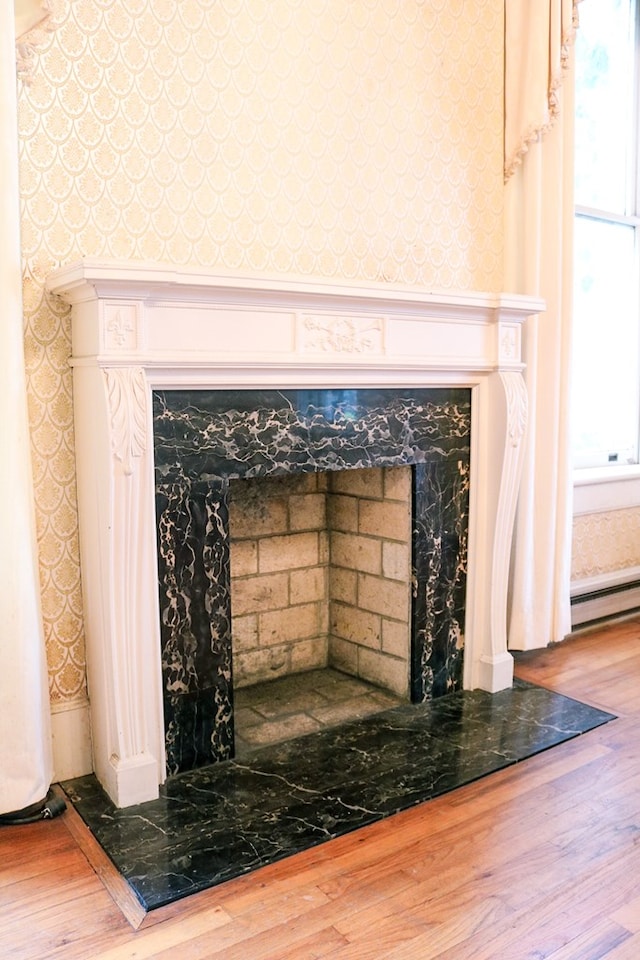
(203, 439)
(227, 819)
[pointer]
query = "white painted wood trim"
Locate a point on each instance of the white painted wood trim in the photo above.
(137, 327)
(623, 595)
(71, 739)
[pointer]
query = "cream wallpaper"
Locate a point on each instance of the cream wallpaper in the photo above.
(358, 139)
(605, 543)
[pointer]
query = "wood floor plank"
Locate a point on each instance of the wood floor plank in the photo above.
(19, 868)
(27, 897)
(299, 922)
(628, 916)
(629, 950)
(316, 946)
(557, 918)
(540, 860)
(594, 944)
(172, 936)
(66, 929)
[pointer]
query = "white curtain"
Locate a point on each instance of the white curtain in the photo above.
(25, 737)
(538, 260)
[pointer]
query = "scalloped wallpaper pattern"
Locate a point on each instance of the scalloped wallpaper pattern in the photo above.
(605, 543)
(358, 139)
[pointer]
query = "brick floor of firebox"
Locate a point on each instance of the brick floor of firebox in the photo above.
(303, 703)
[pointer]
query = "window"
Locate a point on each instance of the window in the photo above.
(606, 368)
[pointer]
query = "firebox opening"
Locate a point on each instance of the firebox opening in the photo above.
(320, 599)
(206, 440)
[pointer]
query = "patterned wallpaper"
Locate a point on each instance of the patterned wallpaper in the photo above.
(605, 543)
(358, 139)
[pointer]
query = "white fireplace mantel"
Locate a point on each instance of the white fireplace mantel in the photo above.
(137, 327)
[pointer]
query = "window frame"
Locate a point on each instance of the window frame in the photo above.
(587, 474)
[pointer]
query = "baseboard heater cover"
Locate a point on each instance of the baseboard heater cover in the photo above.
(607, 601)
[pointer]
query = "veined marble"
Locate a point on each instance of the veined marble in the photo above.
(202, 439)
(218, 822)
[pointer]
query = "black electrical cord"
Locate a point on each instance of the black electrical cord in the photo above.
(52, 806)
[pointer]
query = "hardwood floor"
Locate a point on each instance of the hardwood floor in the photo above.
(541, 860)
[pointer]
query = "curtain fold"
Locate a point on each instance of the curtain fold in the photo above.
(539, 261)
(28, 14)
(538, 38)
(25, 735)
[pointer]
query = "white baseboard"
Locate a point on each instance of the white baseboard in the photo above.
(609, 595)
(71, 740)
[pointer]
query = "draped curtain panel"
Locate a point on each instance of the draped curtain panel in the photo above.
(25, 736)
(538, 38)
(539, 107)
(28, 14)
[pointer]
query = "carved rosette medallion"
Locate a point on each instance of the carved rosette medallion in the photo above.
(351, 335)
(127, 394)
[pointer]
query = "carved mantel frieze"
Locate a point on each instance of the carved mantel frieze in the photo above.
(342, 335)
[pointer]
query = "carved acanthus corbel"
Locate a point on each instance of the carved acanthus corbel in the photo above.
(517, 406)
(127, 393)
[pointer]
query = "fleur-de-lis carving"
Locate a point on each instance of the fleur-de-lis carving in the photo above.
(120, 327)
(509, 343)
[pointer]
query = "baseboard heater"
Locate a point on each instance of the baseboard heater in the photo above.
(600, 603)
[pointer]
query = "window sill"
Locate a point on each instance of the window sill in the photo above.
(601, 489)
(586, 476)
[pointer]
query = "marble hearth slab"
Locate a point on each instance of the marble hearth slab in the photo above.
(218, 822)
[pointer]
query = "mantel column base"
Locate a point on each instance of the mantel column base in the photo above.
(494, 673)
(130, 781)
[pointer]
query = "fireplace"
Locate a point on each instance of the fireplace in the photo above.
(205, 439)
(186, 382)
